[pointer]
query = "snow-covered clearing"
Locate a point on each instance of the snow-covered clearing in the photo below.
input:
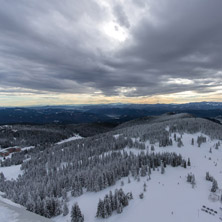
(11, 172)
(75, 137)
(168, 197)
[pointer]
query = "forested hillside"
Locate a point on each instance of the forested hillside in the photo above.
(53, 175)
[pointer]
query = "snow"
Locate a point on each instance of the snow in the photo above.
(27, 147)
(11, 212)
(11, 172)
(7, 215)
(75, 137)
(9, 202)
(168, 197)
(116, 136)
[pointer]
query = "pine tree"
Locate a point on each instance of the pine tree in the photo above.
(100, 209)
(64, 195)
(144, 187)
(65, 209)
(119, 209)
(175, 137)
(214, 186)
(130, 196)
(193, 181)
(180, 143)
(143, 171)
(188, 162)
(141, 196)
(162, 168)
(107, 206)
(76, 215)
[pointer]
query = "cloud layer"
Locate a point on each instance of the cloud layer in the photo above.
(128, 48)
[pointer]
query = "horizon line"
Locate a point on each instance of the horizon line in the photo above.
(96, 104)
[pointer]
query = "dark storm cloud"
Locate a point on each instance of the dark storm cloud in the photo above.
(60, 47)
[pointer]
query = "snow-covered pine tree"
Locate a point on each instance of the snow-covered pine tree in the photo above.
(214, 186)
(162, 168)
(188, 162)
(76, 215)
(193, 181)
(179, 143)
(143, 171)
(119, 209)
(107, 206)
(100, 209)
(141, 196)
(65, 209)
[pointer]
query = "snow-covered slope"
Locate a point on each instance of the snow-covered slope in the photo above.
(75, 137)
(169, 197)
(10, 212)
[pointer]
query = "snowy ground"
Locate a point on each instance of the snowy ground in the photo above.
(11, 172)
(168, 197)
(75, 137)
(11, 212)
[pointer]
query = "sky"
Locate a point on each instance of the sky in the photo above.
(108, 51)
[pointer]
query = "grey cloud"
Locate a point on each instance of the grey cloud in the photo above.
(58, 47)
(121, 16)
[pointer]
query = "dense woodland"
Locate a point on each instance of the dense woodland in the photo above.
(32, 135)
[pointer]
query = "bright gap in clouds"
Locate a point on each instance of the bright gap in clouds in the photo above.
(115, 32)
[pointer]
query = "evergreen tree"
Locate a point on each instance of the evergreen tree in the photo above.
(193, 181)
(179, 143)
(162, 168)
(100, 209)
(107, 206)
(214, 186)
(119, 209)
(141, 196)
(76, 215)
(65, 209)
(188, 162)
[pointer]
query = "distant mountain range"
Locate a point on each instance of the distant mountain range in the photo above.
(113, 113)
